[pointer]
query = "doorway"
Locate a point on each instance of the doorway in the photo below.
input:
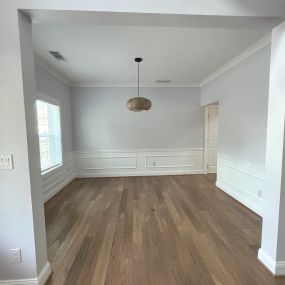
(211, 138)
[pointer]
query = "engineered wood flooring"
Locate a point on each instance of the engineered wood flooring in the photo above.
(164, 230)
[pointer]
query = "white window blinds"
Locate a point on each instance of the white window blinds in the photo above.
(49, 135)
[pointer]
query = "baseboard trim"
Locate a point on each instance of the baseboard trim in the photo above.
(32, 281)
(40, 280)
(44, 274)
(145, 173)
(277, 268)
(58, 188)
(138, 162)
(117, 174)
(230, 191)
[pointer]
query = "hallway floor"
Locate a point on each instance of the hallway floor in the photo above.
(152, 230)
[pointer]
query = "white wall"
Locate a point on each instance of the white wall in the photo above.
(18, 201)
(51, 86)
(102, 121)
(22, 222)
(242, 93)
(272, 251)
(48, 85)
(103, 124)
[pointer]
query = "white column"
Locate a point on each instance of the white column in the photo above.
(22, 222)
(272, 251)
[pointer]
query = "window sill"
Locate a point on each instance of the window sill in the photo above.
(51, 169)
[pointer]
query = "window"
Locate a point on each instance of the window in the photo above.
(49, 135)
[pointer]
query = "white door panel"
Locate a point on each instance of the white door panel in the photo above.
(212, 142)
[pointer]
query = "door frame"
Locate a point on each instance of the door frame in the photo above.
(206, 129)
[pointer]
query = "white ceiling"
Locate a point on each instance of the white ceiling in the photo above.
(100, 47)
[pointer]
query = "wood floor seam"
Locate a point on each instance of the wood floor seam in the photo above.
(168, 230)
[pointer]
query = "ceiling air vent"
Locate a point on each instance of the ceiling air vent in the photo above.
(163, 81)
(57, 55)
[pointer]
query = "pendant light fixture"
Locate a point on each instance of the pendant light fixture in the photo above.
(138, 103)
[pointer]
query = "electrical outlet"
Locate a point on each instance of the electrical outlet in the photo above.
(154, 164)
(6, 161)
(16, 255)
(259, 193)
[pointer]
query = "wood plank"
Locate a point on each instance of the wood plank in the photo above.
(150, 231)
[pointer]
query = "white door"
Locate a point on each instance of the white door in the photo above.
(212, 139)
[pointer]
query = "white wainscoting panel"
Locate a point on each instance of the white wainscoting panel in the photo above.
(104, 163)
(110, 162)
(242, 180)
(55, 180)
(170, 161)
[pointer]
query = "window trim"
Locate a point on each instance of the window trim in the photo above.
(48, 99)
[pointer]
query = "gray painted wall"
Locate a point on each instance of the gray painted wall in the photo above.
(242, 93)
(51, 86)
(101, 120)
(22, 222)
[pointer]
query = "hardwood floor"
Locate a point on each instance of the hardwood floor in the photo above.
(152, 230)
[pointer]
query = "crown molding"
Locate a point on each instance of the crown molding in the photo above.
(257, 46)
(53, 73)
(135, 85)
(59, 77)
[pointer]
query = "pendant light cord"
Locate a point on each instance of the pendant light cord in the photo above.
(138, 79)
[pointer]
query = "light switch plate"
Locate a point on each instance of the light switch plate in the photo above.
(6, 161)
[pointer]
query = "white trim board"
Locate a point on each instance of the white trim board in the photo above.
(243, 55)
(257, 46)
(242, 180)
(137, 150)
(57, 179)
(133, 174)
(40, 280)
(57, 75)
(121, 163)
(52, 72)
(277, 268)
(232, 191)
(117, 163)
(58, 188)
(135, 85)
